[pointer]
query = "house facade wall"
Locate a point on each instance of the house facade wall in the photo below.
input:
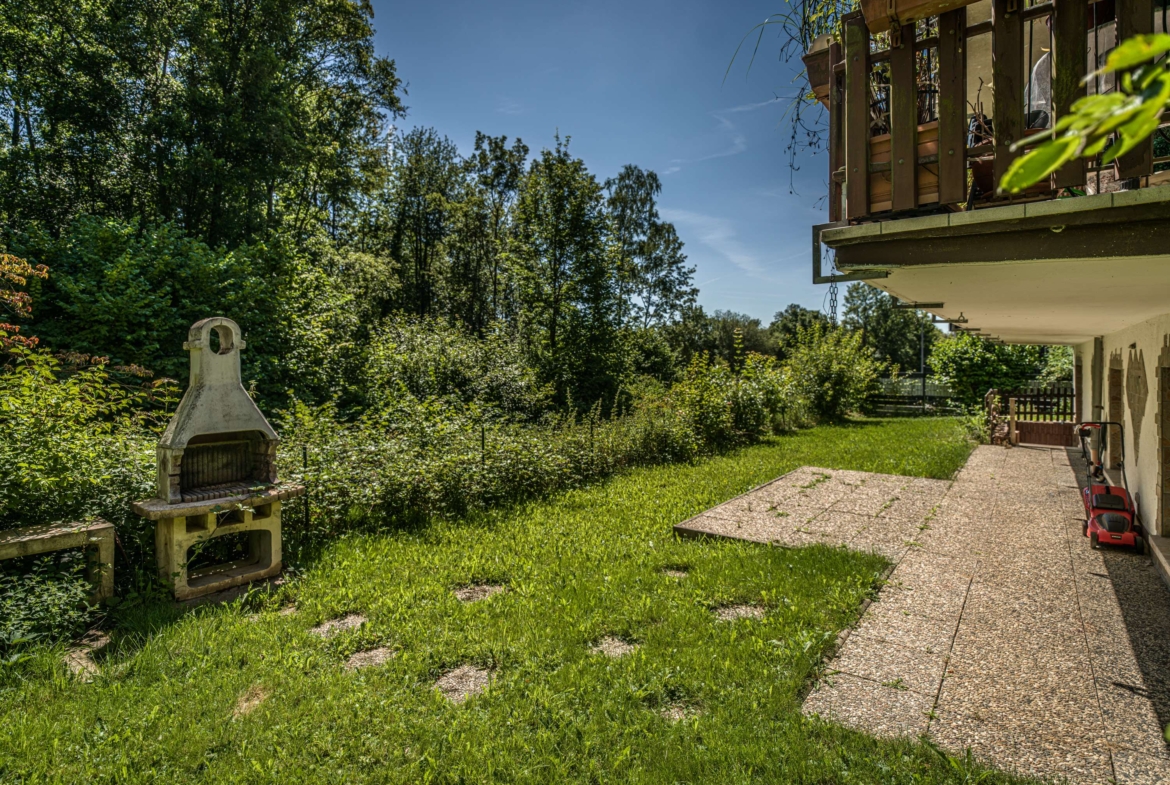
(1132, 365)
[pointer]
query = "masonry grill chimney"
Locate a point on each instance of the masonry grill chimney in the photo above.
(218, 444)
(216, 470)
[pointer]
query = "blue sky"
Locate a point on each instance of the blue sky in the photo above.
(639, 82)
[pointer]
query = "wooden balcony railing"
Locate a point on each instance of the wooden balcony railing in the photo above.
(906, 130)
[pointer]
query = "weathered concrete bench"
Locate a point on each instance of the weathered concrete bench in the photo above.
(95, 536)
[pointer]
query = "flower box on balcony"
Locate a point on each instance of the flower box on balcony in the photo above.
(820, 73)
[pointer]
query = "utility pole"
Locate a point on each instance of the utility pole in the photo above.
(922, 360)
(919, 309)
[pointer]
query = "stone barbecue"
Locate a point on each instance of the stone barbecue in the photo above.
(216, 471)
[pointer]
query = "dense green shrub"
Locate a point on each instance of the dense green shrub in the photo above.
(129, 292)
(43, 598)
(414, 458)
(973, 365)
(77, 444)
(832, 371)
(429, 359)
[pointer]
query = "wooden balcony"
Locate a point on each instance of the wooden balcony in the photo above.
(922, 117)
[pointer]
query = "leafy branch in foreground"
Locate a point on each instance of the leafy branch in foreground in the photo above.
(16, 272)
(1132, 113)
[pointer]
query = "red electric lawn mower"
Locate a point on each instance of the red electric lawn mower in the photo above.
(1111, 518)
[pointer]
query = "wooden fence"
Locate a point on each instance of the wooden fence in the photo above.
(1042, 415)
(904, 397)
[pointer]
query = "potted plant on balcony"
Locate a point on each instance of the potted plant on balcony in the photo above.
(819, 68)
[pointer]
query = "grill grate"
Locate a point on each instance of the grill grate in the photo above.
(209, 492)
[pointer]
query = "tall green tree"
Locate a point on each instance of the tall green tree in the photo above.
(227, 117)
(787, 326)
(892, 334)
(498, 170)
(566, 277)
(633, 212)
(664, 286)
(425, 182)
(479, 282)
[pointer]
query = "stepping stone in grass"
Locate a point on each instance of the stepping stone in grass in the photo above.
(330, 628)
(369, 658)
(250, 701)
(736, 612)
(677, 712)
(79, 659)
(287, 610)
(613, 647)
(460, 684)
(675, 572)
(478, 591)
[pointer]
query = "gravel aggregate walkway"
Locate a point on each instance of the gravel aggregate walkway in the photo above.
(1000, 629)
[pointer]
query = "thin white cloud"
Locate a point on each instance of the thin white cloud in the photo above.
(736, 140)
(749, 107)
(773, 193)
(508, 106)
(737, 143)
(719, 235)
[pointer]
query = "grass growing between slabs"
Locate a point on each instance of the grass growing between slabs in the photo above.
(245, 693)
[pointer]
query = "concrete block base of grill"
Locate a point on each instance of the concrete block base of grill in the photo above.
(175, 536)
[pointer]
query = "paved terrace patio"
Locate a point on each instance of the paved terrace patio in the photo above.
(999, 629)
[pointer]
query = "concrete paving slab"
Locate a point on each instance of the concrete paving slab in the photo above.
(892, 547)
(1052, 695)
(1006, 639)
(849, 525)
(1140, 769)
(938, 605)
(868, 706)
(1020, 749)
(891, 665)
(906, 628)
(936, 581)
(1039, 654)
(1130, 714)
(909, 508)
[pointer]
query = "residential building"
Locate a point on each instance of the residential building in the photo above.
(925, 101)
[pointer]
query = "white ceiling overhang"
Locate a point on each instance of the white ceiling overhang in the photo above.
(1058, 272)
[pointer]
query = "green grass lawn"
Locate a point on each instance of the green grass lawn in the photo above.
(577, 567)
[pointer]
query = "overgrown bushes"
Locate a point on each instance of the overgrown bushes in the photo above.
(453, 424)
(426, 359)
(833, 371)
(76, 444)
(414, 458)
